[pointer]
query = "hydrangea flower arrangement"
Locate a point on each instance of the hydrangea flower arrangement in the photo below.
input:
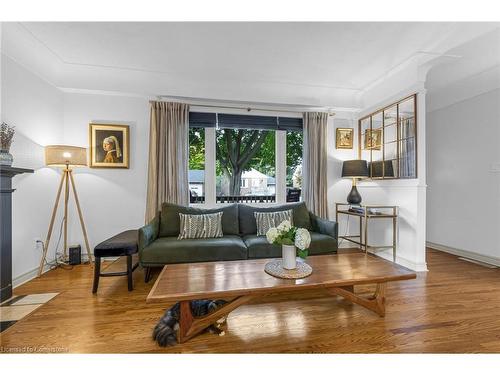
(286, 234)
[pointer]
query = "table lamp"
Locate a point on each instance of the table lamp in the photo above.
(65, 157)
(354, 169)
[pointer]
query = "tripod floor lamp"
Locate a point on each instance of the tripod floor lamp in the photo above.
(65, 157)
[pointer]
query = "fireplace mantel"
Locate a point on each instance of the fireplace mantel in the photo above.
(6, 175)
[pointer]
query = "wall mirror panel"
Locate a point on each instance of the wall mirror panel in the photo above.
(388, 140)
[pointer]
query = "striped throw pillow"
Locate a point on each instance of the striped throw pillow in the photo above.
(268, 220)
(200, 226)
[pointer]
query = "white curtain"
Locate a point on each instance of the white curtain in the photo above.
(168, 156)
(314, 166)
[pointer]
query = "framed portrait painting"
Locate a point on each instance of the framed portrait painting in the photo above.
(343, 138)
(373, 139)
(109, 146)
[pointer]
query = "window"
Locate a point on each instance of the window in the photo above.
(387, 140)
(245, 165)
(236, 154)
(294, 149)
(196, 176)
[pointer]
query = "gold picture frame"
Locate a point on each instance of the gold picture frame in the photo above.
(373, 139)
(344, 138)
(109, 146)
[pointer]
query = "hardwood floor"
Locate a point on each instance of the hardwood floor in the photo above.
(453, 308)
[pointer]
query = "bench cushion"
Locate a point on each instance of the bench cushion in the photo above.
(258, 247)
(124, 243)
(172, 250)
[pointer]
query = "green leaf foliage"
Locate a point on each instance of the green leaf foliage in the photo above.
(240, 150)
(197, 149)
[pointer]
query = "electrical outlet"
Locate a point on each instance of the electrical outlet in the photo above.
(38, 243)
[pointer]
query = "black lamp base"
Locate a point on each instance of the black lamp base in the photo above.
(354, 197)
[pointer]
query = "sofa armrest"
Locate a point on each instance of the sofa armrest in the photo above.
(324, 226)
(148, 233)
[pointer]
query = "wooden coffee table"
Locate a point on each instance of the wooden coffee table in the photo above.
(241, 281)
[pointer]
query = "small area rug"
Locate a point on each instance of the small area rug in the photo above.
(18, 307)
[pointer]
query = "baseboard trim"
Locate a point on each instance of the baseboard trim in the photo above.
(387, 255)
(465, 254)
(417, 267)
(33, 273)
(29, 275)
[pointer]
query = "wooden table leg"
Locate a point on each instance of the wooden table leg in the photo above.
(376, 303)
(190, 326)
(185, 321)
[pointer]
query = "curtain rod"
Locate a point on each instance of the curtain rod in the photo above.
(250, 106)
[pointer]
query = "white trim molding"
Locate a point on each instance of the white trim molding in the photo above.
(33, 273)
(465, 254)
(412, 265)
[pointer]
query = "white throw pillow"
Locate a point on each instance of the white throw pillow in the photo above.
(268, 220)
(200, 226)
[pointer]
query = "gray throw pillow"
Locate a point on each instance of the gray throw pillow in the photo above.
(200, 226)
(268, 220)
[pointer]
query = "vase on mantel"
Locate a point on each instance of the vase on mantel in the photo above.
(289, 255)
(5, 157)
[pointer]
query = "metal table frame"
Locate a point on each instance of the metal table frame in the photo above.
(363, 232)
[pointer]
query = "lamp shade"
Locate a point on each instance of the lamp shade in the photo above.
(355, 169)
(382, 168)
(61, 155)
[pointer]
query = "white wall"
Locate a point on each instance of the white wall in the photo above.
(112, 200)
(338, 187)
(409, 195)
(34, 107)
(463, 174)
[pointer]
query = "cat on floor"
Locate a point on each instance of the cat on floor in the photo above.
(165, 332)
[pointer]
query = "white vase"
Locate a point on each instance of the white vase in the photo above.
(289, 257)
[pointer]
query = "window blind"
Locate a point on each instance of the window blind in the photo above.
(236, 121)
(230, 121)
(290, 123)
(202, 120)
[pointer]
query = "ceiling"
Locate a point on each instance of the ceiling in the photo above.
(291, 63)
(473, 57)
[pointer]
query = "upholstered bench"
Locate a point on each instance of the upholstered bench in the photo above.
(123, 244)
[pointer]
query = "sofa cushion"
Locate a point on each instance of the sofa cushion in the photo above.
(171, 250)
(322, 244)
(258, 247)
(170, 221)
(248, 224)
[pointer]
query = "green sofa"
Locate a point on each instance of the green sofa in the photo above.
(158, 243)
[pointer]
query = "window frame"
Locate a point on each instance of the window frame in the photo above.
(210, 169)
(381, 111)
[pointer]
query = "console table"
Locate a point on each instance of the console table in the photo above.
(383, 212)
(6, 175)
